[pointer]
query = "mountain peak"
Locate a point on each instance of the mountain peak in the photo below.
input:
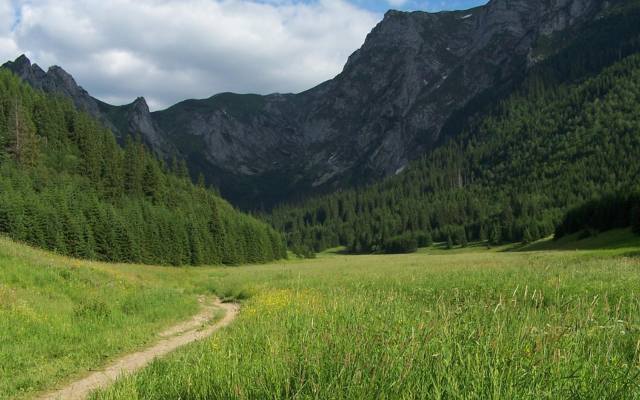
(55, 80)
(19, 66)
(59, 81)
(22, 67)
(22, 60)
(140, 106)
(391, 13)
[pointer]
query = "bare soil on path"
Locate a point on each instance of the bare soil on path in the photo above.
(172, 338)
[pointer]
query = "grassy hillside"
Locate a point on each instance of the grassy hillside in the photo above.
(474, 325)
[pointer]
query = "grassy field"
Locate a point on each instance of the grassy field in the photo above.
(462, 324)
(60, 317)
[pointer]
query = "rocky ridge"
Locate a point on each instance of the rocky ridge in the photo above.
(396, 98)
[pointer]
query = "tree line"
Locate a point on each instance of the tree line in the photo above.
(611, 211)
(66, 185)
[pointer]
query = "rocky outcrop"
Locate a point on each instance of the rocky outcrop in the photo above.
(55, 80)
(133, 118)
(391, 103)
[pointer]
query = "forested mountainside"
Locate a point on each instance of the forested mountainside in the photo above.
(569, 133)
(66, 185)
(398, 96)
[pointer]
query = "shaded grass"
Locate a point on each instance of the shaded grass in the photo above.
(616, 239)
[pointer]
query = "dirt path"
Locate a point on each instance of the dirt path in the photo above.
(174, 337)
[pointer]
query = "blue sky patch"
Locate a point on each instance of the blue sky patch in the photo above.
(423, 5)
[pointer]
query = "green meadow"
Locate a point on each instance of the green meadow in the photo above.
(552, 320)
(60, 317)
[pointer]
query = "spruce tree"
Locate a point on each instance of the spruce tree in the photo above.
(482, 234)
(496, 235)
(526, 236)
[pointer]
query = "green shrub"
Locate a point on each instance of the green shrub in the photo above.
(424, 239)
(400, 245)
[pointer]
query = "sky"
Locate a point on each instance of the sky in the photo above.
(171, 50)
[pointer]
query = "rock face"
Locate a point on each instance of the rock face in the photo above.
(136, 119)
(392, 102)
(55, 80)
(131, 118)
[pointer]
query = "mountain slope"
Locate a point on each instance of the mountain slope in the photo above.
(399, 95)
(67, 186)
(133, 118)
(570, 132)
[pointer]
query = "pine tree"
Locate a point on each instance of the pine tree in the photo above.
(183, 171)
(152, 182)
(21, 135)
(217, 229)
(4, 132)
(483, 233)
(133, 167)
(526, 236)
(201, 181)
(462, 237)
(73, 233)
(496, 235)
(89, 146)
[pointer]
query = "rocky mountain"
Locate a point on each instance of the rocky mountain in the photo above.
(136, 119)
(417, 75)
(55, 80)
(133, 118)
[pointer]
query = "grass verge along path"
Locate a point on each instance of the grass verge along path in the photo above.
(174, 337)
(61, 318)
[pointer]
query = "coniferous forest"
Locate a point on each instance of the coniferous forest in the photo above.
(568, 133)
(68, 186)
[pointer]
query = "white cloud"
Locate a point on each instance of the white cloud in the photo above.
(8, 46)
(169, 50)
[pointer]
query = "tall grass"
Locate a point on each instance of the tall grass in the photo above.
(460, 324)
(60, 317)
(455, 326)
